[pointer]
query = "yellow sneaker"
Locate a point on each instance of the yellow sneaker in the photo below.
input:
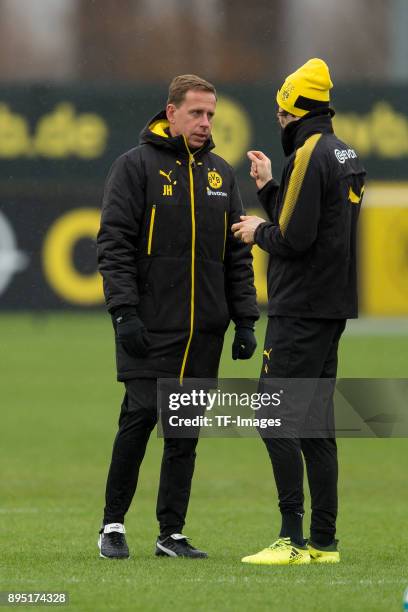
(324, 554)
(281, 552)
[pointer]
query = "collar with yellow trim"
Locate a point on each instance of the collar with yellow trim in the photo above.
(157, 132)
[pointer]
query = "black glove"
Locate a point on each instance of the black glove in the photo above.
(131, 332)
(244, 343)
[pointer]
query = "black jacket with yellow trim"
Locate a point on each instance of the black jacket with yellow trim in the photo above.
(165, 246)
(312, 236)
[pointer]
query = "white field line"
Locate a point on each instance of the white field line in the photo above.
(19, 510)
(27, 510)
(364, 582)
(374, 326)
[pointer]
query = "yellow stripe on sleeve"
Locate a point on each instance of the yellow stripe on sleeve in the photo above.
(302, 158)
(353, 197)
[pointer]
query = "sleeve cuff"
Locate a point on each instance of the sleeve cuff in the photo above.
(248, 323)
(258, 232)
(123, 310)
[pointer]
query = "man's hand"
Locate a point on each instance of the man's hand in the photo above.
(244, 343)
(131, 332)
(261, 168)
(245, 230)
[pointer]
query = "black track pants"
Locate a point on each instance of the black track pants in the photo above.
(137, 419)
(304, 348)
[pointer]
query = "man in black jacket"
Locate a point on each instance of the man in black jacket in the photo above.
(312, 290)
(174, 276)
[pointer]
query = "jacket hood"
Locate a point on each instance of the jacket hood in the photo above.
(317, 121)
(156, 132)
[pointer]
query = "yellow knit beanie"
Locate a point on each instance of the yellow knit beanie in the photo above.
(306, 89)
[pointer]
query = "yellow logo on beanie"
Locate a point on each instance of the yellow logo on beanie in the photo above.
(286, 90)
(306, 88)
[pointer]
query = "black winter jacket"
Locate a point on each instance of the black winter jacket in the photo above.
(313, 231)
(165, 246)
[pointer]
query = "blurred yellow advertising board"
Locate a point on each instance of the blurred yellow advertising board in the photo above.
(384, 250)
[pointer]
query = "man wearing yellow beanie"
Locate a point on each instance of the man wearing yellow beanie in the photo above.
(312, 291)
(306, 89)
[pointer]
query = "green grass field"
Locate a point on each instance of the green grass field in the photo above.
(59, 410)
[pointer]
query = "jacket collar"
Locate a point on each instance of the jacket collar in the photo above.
(294, 135)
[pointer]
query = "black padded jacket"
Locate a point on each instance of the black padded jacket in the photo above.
(312, 233)
(165, 247)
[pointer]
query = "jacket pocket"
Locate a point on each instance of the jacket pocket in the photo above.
(151, 230)
(166, 304)
(143, 272)
(211, 308)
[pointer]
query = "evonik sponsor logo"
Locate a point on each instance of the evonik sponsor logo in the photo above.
(222, 194)
(344, 154)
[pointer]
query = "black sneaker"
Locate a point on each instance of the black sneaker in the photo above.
(112, 542)
(177, 545)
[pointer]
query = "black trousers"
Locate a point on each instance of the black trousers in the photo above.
(137, 419)
(304, 348)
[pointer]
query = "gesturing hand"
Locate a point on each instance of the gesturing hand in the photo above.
(245, 229)
(261, 168)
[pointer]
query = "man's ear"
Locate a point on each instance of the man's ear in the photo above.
(170, 110)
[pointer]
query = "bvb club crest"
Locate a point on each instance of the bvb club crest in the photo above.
(285, 93)
(214, 180)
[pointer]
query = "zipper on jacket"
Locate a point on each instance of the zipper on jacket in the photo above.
(225, 234)
(151, 227)
(191, 162)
